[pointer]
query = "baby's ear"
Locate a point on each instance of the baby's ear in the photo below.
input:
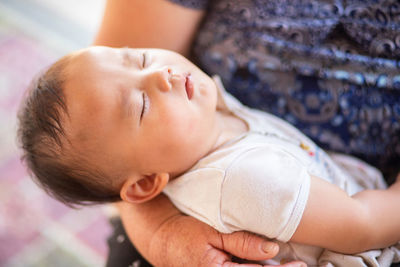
(144, 189)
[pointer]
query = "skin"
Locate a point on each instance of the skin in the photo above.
(140, 97)
(151, 23)
(155, 115)
(370, 217)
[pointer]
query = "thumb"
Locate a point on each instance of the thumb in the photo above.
(248, 246)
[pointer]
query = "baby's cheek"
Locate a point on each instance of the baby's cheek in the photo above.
(182, 136)
(179, 126)
(192, 125)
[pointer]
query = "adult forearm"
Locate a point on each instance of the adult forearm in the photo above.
(166, 237)
(142, 221)
(150, 23)
(383, 221)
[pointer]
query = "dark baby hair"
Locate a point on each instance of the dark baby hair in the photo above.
(64, 175)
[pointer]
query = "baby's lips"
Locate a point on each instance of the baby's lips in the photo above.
(189, 87)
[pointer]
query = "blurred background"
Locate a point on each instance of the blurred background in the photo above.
(35, 230)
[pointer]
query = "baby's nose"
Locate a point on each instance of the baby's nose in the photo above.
(162, 77)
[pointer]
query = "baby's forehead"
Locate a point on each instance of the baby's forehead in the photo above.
(88, 80)
(88, 57)
(85, 63)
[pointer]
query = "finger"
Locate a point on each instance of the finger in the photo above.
(290, 264)
(217, 258)
(232, 264)
(248, 246)
(214, 257)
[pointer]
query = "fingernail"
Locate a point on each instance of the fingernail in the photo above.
(269, 247)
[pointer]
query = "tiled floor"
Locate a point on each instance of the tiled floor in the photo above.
(35, 230)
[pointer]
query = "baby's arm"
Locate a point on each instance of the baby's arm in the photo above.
(350, 224)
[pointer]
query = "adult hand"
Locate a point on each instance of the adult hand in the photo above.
(193, 243)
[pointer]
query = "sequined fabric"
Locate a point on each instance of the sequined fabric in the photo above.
(329, 67)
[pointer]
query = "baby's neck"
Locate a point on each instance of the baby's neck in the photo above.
(229, 127)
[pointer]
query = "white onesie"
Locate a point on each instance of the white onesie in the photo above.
(260, 181)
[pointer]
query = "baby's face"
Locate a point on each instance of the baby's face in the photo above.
(142, 111)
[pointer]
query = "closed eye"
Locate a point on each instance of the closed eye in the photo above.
(145, 105)
(144, 60)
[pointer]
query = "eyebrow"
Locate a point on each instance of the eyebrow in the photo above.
(127, 108)
(127, 57)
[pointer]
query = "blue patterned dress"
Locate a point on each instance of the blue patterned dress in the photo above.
(331, 67)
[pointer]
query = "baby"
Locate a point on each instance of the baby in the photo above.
(105, 124)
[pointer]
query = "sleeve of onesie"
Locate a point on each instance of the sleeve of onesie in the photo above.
(195, 4)
(265, 191)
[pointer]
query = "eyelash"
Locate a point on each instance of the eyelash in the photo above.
(145, 105)
(144, 60)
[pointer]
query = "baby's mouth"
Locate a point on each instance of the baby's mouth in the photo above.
(189, 87)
